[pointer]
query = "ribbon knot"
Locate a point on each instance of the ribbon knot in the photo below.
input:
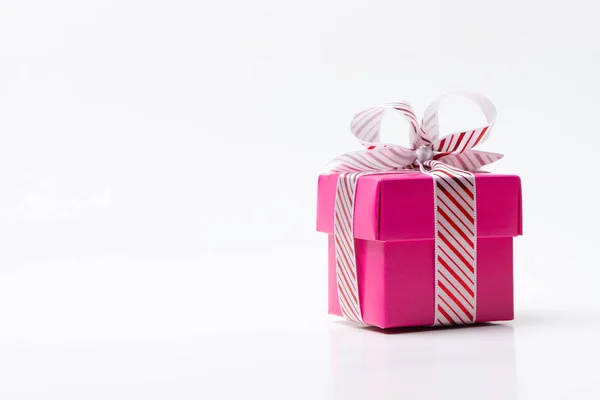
(424, 153)
(455, 149)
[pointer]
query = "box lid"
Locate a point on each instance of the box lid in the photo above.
(399, 206)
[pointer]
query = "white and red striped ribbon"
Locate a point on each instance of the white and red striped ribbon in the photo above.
(455, 244)
(343, 232)
(448, 161)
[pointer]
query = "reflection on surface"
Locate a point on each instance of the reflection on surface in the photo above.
(475, 362)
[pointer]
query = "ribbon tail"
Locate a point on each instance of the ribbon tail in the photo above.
(471, 160)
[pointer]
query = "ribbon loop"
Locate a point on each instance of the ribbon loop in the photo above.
(366, 125)
(459, 142)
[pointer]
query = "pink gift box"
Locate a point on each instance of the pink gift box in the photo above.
(395, 248)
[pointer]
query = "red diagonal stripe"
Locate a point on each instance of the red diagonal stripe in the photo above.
(451, 308)
(363, 114)
(454, 190)
(456, 203)
(457, 291)
(457, 217)
(363, 163)
(345, 166)
(455, 300)
(345, 258)
(445, 240)
(345, 313)
(460, 162)
(366, 121)
(349, 193)
(458, 278)
(409, 114)
(460, 138)
(441, 166)
(366, 110)
(344, 272)
(445, 314)
(342, 230)
(348, 305)
(405, 110)
(451, 222)
(348, 286)
(456, 265)
(401, 154)
(480, 136)
(342, 292)
(343, 240)
(441, 172)
(371, 134)
(376, 156)
(393, 162)
(441, 145)
(450, 141)
(458, 181)
(457, 242)
(349, 241)
(346, 213)
(423, 137)
(466, 147)
(480, 159)
(444, 171)
(414, 126)
(355, 176)
(350, 161)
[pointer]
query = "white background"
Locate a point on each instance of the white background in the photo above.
(158, 170)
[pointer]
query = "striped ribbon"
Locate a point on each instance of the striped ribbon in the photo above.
(448, 161)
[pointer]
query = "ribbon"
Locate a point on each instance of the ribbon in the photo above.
(449, 161)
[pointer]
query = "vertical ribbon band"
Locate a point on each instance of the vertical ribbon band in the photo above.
(345, 255)
(455, 213)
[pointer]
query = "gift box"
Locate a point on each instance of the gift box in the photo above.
(394, 242)
(419, 236)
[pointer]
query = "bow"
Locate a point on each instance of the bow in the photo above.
(454, 149)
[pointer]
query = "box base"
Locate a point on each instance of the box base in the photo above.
(396, 281)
